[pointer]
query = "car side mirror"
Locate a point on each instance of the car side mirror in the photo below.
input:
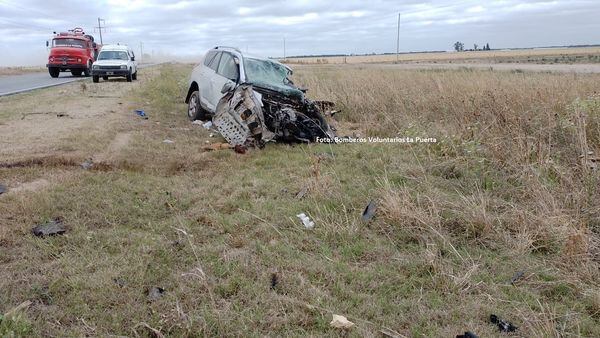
(94, 45)
(47, 43)
(132, 58)
(227, 87)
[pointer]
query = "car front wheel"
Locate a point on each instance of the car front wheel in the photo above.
(195, 111)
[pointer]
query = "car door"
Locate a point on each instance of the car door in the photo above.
(228, 71)
(208, 72)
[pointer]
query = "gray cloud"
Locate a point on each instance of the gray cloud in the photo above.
(188, 28)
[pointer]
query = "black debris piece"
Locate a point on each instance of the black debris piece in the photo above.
(54, 227)
(517, 277)
(119, 281)
(274, 280)
(467, 334)
(503, 326)
(3, 189)
(369, 211)
(155, 293)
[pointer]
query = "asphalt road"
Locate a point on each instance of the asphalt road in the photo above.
(13, 84)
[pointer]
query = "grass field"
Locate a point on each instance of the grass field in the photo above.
(538, 56)
(508, 187)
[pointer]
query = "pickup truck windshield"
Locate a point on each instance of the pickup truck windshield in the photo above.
(68, 43)
(112, 55)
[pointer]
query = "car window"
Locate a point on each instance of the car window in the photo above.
(214, 63)
(209, 57)
(112, 55)
(228, 68)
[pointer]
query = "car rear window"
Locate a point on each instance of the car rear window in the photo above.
(209, 57)
(214, 63)
(228, 68)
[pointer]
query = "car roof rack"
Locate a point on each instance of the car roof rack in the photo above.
(234, 48)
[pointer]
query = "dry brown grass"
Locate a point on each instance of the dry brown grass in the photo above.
(546, 55)
(20, 70)
(503, 190)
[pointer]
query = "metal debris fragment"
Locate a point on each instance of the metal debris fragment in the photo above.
(308, 224)
(503, 326)
(155, 293)
(369, 211)
(54, 227)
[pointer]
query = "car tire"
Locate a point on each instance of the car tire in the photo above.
(105, 78)
(76, 72)
(87, 71)
(195, 110)
(134, 76)
(54, 72)
(129, 76)
(95, 78)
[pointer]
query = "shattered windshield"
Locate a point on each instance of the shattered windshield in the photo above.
(68, 43)
(112, 55)
(266, 72)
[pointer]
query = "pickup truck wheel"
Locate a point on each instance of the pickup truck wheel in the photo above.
(134, 76)
(54, 72)
(129, 76)
(95, 78)
(195, 110)
(86, 71)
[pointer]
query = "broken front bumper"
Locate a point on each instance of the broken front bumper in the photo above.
(252, 116)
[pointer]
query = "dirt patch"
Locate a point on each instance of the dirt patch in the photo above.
(31, 186)
(114, 148)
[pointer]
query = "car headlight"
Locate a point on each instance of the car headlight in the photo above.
(94, 66)
(123, 67)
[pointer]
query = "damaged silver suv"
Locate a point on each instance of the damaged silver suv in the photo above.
(251, 100)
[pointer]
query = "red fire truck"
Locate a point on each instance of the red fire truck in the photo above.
(72, 51)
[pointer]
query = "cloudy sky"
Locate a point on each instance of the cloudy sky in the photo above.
(187, 28)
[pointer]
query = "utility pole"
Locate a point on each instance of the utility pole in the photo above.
(100, 29)
(141, 51)
(284, 48)
(398, 41)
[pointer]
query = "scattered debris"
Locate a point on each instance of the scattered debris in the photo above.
(306, 221)
(3, 189)
(87, 164)
(274, 280)
(119, 281)
(198, 122)
(341, 322)
(54, 227)
(517, 276)
(62, 115)
(369, 211)
(468, 334)
(217, 146)
(240, 149)
(503, 325)
(300, 195)
(155, 293)
(207, 125)
(142, 114)
(167, 141)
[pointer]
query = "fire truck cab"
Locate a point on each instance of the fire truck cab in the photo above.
(72, 51)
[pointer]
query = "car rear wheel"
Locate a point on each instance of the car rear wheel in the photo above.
(195, 110)
(96, 78)
(129, 76)
(54, 72)
(134, 76)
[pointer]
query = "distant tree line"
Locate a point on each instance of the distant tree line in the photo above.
(460, 47)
